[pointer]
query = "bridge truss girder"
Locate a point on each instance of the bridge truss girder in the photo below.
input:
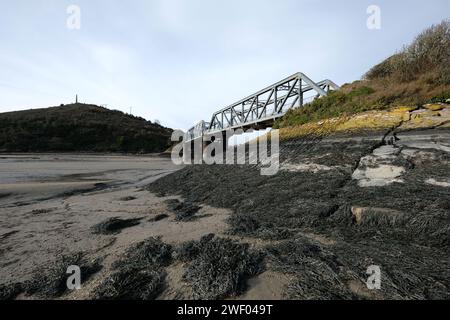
(269, 103)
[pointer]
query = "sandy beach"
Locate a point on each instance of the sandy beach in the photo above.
(48, 203)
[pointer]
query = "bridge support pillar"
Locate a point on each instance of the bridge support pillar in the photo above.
(188, 152)
(300, 91)
(224, 146)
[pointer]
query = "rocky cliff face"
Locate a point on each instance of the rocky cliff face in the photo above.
(400, 118)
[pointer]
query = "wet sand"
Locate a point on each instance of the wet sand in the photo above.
(30, 178)
(48, 204)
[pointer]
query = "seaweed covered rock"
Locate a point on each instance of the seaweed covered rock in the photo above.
(139, 274)
(317, 272)
(243, 224)
(315, 195)
(10, 291)
(51, 281)
(158, 217)
(184, 211)
(150, 253)
(131, 284)
(219, 267)
(114, 225)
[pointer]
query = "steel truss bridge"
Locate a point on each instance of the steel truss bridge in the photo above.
(261, 109)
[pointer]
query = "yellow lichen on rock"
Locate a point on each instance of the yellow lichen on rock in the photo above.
(404, 117)
(427, 118)
(434, 106)
(404, 109)
(371, 120)
(320, 128)
(374, 120)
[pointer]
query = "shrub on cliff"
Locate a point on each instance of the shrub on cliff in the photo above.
(429, 52)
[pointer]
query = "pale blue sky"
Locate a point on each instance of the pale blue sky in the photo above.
(180, 60)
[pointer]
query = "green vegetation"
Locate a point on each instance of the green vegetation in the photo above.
(335, 104)
(80, 127)
(429, 53)
(419, 74)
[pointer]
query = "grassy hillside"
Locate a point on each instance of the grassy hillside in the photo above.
(418, 74)
(80, 127)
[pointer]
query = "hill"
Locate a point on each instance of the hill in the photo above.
(80, 128)
(417, 75)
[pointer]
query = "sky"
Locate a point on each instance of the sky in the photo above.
(178, 61)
